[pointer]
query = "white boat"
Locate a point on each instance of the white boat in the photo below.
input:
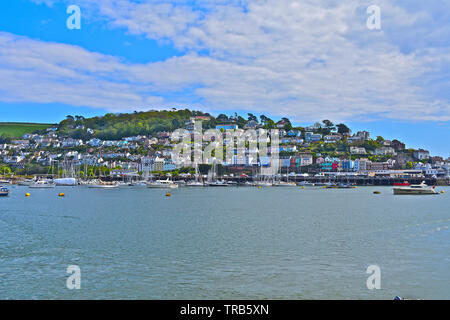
(415, 189)
(162, 184)
(99, 184)
(305, 184)
(4, 191)
(194, 184)
(197, 182)
(43, 184)
(285, 184)
(25, 182)
(219, 183)
(5, 182)
(65, 182)
(138, 184)
(103, 186)
(263, 184)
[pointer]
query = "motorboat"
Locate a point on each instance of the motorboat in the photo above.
(26, 182)
(4, 191)
(415, 189)
(263, 184)
(99, 184)
(285, 184)
(305, 184)
(402, 184)
(162, 184)
(43, 184)
(138, 184)
(217, 183)
(194, 184)
(103, 185)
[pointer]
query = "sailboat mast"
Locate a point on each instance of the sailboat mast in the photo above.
(99, 167)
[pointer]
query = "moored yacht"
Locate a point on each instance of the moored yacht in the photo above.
(194, 184)
(285, 184)
(43, 184)
(217, 183)
(26, 182)
(102, 185)
(305, 183)
(162, 184)
(415, 189)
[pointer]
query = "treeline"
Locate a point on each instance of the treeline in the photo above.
(117, 126)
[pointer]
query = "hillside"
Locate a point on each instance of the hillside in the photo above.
(117, 126)
(18, 129)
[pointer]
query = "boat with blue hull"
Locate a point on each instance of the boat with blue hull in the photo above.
(4, 191)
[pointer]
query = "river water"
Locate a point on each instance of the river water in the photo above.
(224, 243)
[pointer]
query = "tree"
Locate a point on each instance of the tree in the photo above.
(252, 117)
(5, 138)
(329, 126)
(5, 170)
(286, 120)
(380, 139)
(263, 118)
(287, 126)
(342, 128)
(241, 121)
(222, 117)
(269, 124)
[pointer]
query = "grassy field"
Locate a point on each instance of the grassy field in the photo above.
(16, 129)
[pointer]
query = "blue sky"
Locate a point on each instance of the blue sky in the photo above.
(308, 60)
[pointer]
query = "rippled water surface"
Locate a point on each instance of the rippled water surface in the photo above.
(224, 243)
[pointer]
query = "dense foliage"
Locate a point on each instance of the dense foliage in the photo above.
(116, 126)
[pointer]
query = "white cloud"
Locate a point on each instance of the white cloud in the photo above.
(306, 59)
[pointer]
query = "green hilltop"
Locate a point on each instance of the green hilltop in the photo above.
(18, 129)
(117, 126)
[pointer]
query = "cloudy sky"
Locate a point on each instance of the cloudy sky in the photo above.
(308, 60)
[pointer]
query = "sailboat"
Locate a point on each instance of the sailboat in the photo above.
(212, 178)
(101, 184)
(264, 180)
(68, 174)
(286, 183)
(196, 182)
(44, 183)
